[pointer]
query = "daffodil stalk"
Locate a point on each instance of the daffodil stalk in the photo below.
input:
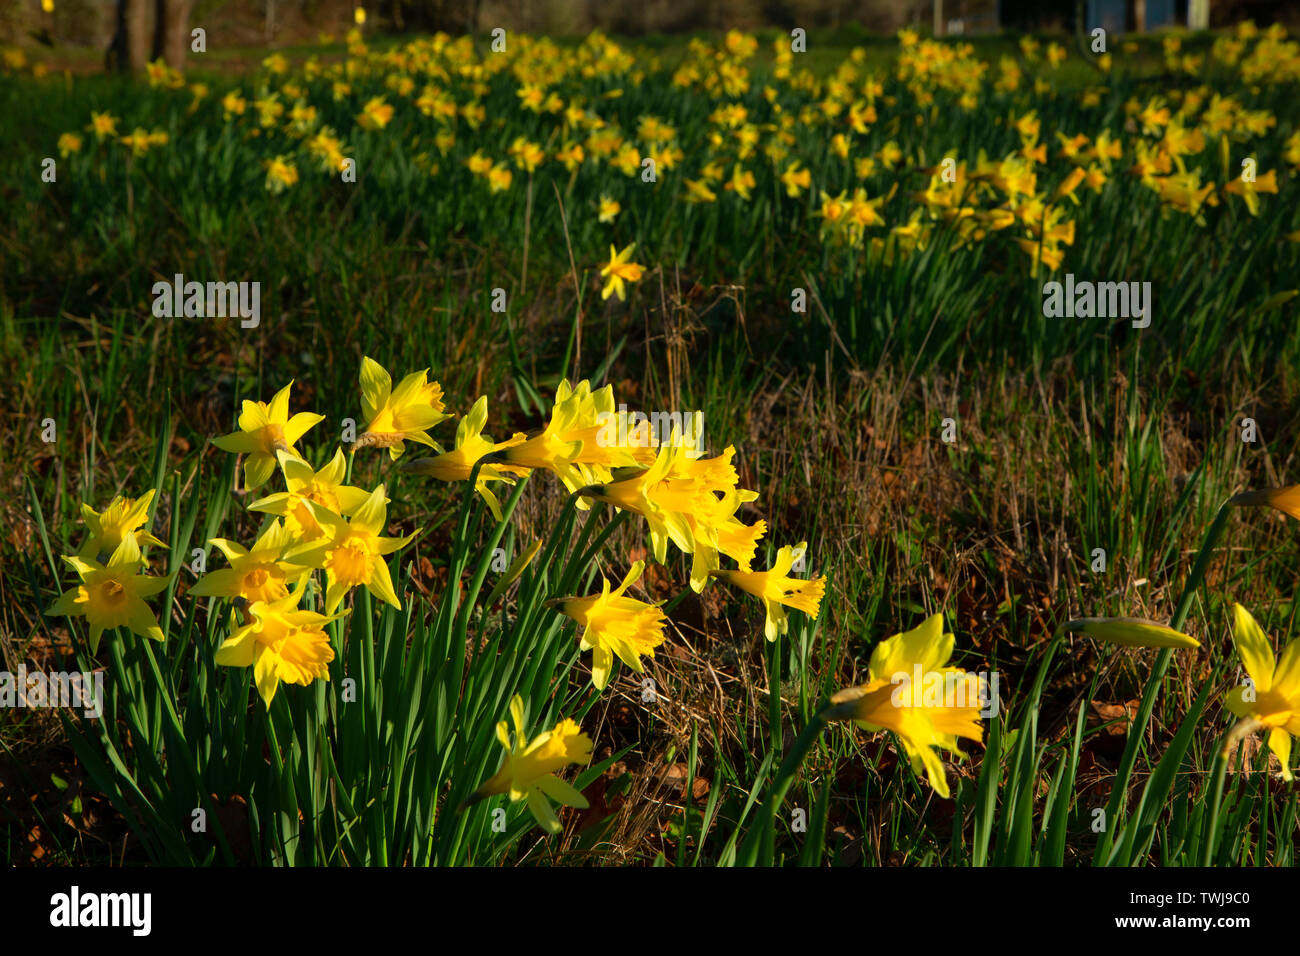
(760, 837)
(1138, 728)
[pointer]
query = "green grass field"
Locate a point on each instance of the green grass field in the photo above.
(940, 443)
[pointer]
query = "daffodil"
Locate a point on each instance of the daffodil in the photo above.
(778, 590)
(1131, 632)
(1285, 500)
(471, 445)
(618, 271)
(557, 446)
(306, 487)
(528, 771)
(376, 114)
(121, 519)
(281, 643)
(795, 180)
(264, 572)
(1249, 190)
(1271, 698)
(614, 624)
(102, 125)
(912, 691)
(263, 430)
(281, 173)
(394, 416)
(354, 552)
(112, 595)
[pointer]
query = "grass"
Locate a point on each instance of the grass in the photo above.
(1072, 435)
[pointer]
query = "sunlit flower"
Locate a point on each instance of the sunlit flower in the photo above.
(397, 415)
(1270, 700)
(613, 624)
(263, 572)
(354, 553)
(528, 771)
(263, 430)
(911, 691)
(307, 487)
(112, 595)
(471, 445)
(281, 643)
(618, 271)
(778, 590)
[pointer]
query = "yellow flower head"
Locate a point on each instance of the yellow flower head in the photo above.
(281, 643)
(263, 430)
(528, 771)
(557, 446)
(613, 624)
(395, 415)
(281, 173)
(618, 271)
(778, 590)
(354, 552)
(120, 520)
(608, 209)
(472, 445)
(112, 595)
(306, 486)
(911, 691)
(1271, 698)
(376, 114)
(795, 180)
(264, 572)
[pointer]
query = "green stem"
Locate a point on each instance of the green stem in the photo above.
(1212, 821)
(780, 785)
(1138, 730)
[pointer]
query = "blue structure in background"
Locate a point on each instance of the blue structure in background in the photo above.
(1110, 15)
(1160, 13)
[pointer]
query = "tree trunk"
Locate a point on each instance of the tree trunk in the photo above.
(176, 32)
(138, 36)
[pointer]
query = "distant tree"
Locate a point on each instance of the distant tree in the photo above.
(148, 29)
(175, 17)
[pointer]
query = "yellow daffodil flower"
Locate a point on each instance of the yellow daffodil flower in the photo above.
(306, 486)
(911, 691)
(613, 624)
(778, 590)
(396, 415)
(1271, 699)
(528, 771)
(112, 595)
(120, 520)
(281, 643)
(618, 271)
(471, 445)
(264, 572)
(354, 552)
(263, 430)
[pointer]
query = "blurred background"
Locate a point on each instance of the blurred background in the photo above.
(138, 30)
